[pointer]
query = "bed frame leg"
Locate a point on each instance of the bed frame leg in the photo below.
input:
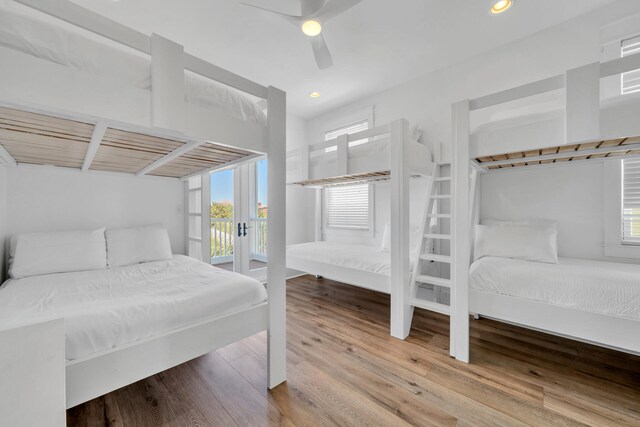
(318, 277)
(476, 316)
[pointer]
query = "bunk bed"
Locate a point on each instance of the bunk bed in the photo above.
(383, 153)
(591, 301)
(141, 106)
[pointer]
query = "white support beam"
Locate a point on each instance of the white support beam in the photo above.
(168, 108)
(530, 89)
(96, 139)
(276, 236)
(180, 151)
(620, 65)
(564, 155)
(401, 306)
(91, 21)
(6, 158)
(460, 232)
(227, 165)
(583, 104)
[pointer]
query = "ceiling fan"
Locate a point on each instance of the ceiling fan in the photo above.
(314, 15)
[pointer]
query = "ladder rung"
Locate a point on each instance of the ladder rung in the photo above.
(431, 306)
(438, 236)
(442, 179)
(436, 257)
(441, 196)
(439, 215)
(430, 280)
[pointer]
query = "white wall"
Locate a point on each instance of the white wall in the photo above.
(427, 101)
(297, 219)
(58, 199)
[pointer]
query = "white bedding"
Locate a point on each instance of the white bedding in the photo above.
(64, 45)
(112, 307)
(372, 156)
(358, 257)
(598, 287)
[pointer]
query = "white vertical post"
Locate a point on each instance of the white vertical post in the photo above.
(318, 217)
(342, 161)
(583, 104)
(460, 232)
(205, 197)
(401, 307)
(240, 216)
(167, 84)
(276, 236)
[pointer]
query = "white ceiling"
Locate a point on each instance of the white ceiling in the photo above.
(375, 45)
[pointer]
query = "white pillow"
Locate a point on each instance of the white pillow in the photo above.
(45, 253)
(531, 243)
(414, 238)
(128, 246)
(386, 239)
(526, 222)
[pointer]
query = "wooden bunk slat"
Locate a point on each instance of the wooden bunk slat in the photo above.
(347, 179)
(203, 157)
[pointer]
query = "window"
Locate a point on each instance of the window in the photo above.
(348, 207)
(631, 201)
(347, 130)
(631, 79)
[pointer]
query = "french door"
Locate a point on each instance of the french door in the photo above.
(227, 218)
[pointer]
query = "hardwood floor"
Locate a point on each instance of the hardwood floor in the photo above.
(345, 369)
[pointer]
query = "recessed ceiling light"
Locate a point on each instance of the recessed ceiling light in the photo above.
(314, 94)
(501, 6)
(311, 28)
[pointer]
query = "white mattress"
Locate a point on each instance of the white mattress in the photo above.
(109, 308)
(599, 287)
(64, 45)
(359, 257)
(371, 156)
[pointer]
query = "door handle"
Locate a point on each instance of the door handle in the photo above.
(245, 228)
(240, 230)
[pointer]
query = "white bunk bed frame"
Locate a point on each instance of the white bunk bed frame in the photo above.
(582, 88)
(24, 89)
(397, 284)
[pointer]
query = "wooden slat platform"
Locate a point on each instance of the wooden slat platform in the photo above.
(570, 153)
(344, 369)
(346, 179)
(47, 140)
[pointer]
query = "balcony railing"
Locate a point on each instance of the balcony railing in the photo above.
(259, 239)
(222, 233)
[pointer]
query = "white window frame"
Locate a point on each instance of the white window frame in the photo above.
(612, 202)
(371, 217)
(635, 50)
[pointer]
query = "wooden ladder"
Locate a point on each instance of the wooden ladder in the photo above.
(426, 286)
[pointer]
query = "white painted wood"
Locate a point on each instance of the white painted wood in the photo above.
(98, 374)
(583, 104)
(401, 308)
(318, 217)
(620, 65)
(205, 217)
(32, 375)
(276, 236)
(96, 139)
(98, 24)
(228, 165)
(565, 155)
(304, 163)
(6, 158)
(342, 161)
(241, 214)
(460, 243)
(529, 89)
(357, 136)
(167, 84)
(609, 331)
(360, 278)
(180, 151)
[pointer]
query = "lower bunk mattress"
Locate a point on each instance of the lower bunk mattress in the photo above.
(104, 309)
(358, 257)
(607, 288)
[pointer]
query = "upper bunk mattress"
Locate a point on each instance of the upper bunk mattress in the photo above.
(599, 287)
(358, 257)
(66, 45)
(108, 308)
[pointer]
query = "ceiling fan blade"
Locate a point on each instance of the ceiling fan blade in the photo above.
(310, 7)
(321, 52)
(293, 19)
(333, 8)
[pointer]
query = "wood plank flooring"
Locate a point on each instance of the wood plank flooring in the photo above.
(344, 369)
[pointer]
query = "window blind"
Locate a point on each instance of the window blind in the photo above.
(348, 207)
(631, 201)
(631, 79)
(347, 130)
